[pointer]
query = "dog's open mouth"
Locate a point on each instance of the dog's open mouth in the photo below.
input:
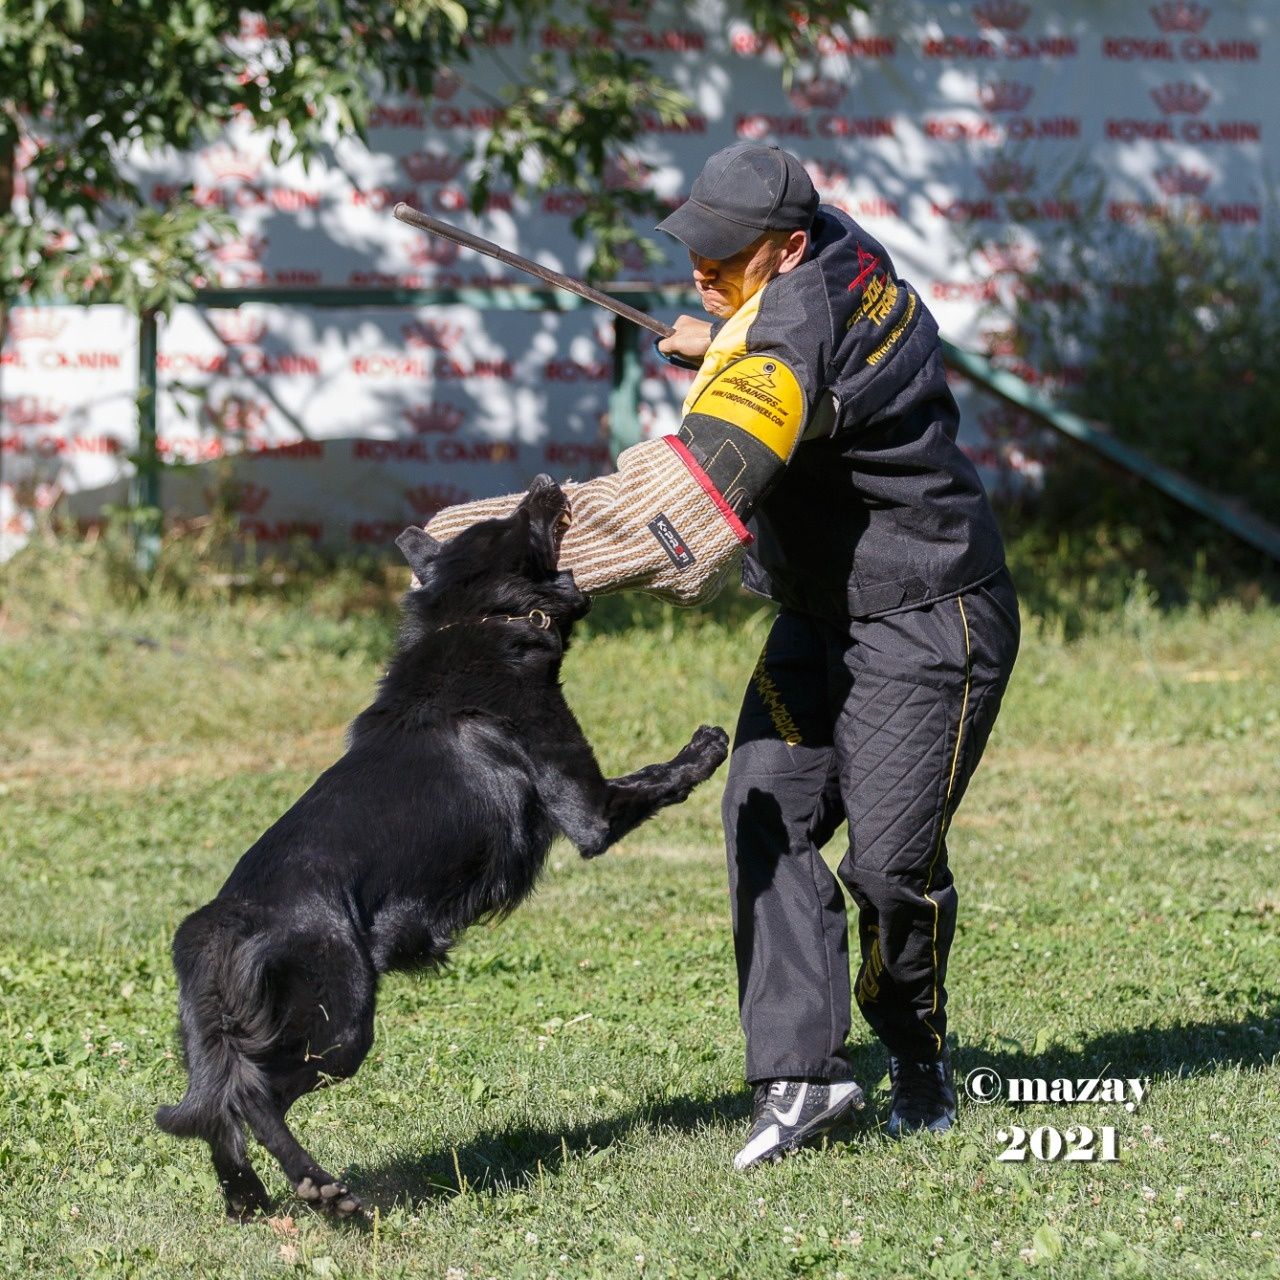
(561, 525)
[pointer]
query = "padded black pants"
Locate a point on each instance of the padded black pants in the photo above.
(882, 722)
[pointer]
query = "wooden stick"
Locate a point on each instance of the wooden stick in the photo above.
(406, 213)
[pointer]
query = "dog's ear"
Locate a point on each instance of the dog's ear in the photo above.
(419, 549)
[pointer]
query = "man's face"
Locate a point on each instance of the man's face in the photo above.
(725, 284)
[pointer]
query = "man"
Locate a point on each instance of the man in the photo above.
(883, 672)
(821, 414)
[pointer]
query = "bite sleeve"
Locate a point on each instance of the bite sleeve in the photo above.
(657, 525)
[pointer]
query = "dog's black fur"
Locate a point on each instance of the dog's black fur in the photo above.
(439, 814)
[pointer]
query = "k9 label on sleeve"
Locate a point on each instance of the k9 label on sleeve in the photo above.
(672, 543)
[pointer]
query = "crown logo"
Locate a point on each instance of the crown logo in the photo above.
(827, 173)
(1178, 180)
(431, 166)
(236, 413)
(229, 165)
(625, 173)
(426, 499)
(1180, 96)
(1009, 259)
(241, 273)
(247, 250)
(818, 94)
(433, 419)
(1177, 15)
(1003, 176)
(31, 411)
(436, 334)
(433, 253)
(1001, 15)
(31, 322)
(248, 498)
(445, 84)
(237, 329)
(1005, 95)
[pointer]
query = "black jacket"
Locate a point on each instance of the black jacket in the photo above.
(873, 507)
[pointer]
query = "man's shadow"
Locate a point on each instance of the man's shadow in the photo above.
(512, 1159)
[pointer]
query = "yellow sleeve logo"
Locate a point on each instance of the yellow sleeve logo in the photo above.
(760, 395)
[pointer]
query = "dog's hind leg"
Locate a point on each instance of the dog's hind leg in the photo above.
(331, 1031)
(242, 1188)
(311, 1181)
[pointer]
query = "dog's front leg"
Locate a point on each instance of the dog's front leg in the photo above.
(595, 812)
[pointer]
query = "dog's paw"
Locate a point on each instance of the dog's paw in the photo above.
(707, 749)
(243, 1209)
(246, 1197)
(332, 1197)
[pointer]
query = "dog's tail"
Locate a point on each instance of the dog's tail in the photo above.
(228, 1024)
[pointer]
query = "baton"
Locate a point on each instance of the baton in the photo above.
(425, 222)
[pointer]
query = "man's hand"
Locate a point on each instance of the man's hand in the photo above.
(690, 340)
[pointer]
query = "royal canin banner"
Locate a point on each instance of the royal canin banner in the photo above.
(950, 130)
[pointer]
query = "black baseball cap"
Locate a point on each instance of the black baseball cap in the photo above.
(743, 190)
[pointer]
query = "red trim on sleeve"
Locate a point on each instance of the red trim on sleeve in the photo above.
(741, 532)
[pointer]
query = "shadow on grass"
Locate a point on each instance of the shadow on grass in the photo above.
(1170, 1052)
(499, 1163)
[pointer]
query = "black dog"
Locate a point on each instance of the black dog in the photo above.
(440, 813)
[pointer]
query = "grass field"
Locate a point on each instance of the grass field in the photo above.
(565, 1099)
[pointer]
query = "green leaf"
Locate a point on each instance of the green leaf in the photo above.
(1047, 1242)
(455, 14)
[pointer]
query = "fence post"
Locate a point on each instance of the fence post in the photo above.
(624, 394)
(145, 491)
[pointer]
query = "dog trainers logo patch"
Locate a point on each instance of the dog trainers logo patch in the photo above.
(671, 542)
(761, 395)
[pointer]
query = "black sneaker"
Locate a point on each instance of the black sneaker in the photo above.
(924, 1096)
(787, 1113)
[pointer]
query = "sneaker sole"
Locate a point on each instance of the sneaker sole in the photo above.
(903, 1130)
(816, 1127)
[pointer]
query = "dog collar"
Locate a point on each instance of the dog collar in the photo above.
(538, 617)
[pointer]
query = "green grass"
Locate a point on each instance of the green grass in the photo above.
(565, 1100)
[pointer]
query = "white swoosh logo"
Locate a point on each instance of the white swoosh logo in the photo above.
(789, 1118)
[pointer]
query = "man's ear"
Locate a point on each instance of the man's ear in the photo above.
(419, 549)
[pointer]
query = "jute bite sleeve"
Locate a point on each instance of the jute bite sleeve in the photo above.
(657, 525)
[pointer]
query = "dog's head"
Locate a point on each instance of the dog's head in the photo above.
(501, 566)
